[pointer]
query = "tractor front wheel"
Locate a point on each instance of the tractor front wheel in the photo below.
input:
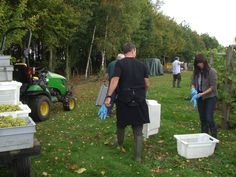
(40, 108)
(69, 104)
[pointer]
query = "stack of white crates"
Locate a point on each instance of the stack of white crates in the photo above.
(20, 137)
(5, 68)
(154, 109)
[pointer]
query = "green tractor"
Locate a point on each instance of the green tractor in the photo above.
(40, 88)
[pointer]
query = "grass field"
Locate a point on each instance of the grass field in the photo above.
(77, 143)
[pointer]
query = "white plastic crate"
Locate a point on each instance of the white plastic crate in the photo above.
(101, 95)
(10, 92)
(5, 60)
(22, 113)
(198, 145)
(6, 73)
(15, 138)
(154, 109)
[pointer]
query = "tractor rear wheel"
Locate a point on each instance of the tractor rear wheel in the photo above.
(40, 108)
(70, 104)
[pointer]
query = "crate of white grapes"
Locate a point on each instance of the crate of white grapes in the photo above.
(18, 136)
(20, 110)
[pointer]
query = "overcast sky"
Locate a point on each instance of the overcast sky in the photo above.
(215, 17)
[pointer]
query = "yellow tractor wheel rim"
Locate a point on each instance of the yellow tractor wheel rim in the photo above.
(44, 108)
(72, 104)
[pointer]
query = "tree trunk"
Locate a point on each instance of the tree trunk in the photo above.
(90, 67)
(104, 48)
(67, 63)
(103, 60)
(89, 55)
(50, 64)
(228, 88)
(164, 60)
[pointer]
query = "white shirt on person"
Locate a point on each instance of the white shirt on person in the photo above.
(176, 67)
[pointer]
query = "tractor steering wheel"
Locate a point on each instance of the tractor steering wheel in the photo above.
(40, 69)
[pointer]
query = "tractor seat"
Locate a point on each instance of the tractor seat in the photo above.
(20, 73)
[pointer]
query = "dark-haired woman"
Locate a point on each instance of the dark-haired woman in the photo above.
(205, 82)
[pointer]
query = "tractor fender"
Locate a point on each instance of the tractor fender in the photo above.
(36, 93)
(34, 88)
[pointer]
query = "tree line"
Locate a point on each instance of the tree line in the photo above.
(82, 35)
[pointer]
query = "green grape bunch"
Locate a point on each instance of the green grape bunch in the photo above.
(9, 108)
(9, 121)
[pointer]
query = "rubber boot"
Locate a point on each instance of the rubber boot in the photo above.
(120, 139)
(138, 148)
(178, 83)
(120, 136)
(138, 141)
(204, 128)
(173, 83)
(214, 132)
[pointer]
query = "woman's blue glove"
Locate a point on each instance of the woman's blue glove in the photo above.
(193, 92)
(102, 113)
(194, 100)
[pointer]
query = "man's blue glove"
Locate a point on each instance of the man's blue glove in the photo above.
(194, 100)
(102, 113)
(193, 92)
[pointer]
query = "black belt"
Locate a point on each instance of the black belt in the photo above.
(132, 88)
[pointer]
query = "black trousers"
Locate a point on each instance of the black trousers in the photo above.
(178, 78)
(206, 109)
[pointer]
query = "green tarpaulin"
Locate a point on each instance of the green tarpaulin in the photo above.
(155, 68)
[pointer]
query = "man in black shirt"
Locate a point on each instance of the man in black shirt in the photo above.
(131, 81)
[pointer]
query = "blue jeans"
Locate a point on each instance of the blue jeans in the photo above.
(206, 109)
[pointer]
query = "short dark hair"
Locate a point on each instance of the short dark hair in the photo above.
(128, 47)
(176, 58)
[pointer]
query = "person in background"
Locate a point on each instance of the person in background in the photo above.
(108, 77)
(131, 78)
(176, 70)
(204, 84)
